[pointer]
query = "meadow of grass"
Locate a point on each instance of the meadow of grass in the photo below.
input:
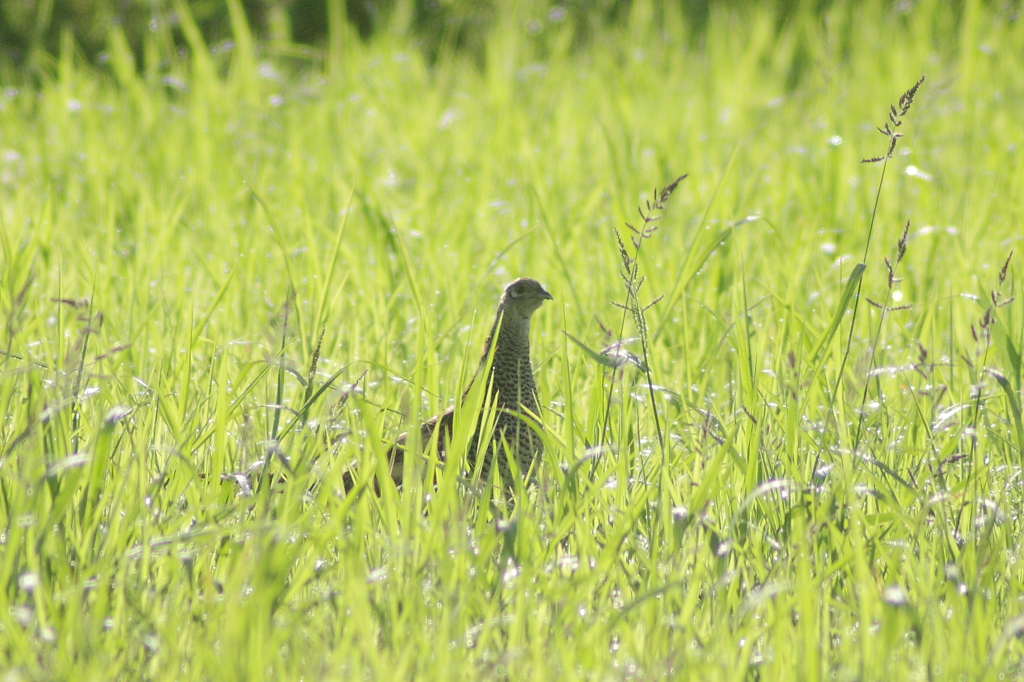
(224, 279)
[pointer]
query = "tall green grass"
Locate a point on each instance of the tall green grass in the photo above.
(225, 280)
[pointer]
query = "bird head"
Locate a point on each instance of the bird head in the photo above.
(522, 297)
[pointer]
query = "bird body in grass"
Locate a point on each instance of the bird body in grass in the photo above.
(511, 390)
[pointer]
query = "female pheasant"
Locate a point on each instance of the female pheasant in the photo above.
(512, 391)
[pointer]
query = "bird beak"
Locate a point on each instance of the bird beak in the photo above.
(545, 296)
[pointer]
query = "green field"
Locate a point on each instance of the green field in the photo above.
(227, 278)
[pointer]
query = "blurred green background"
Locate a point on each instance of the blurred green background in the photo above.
(30, 29)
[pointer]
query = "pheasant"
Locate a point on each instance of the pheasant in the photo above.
(512, 390)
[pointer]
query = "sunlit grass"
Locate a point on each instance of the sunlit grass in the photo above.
(177, 234)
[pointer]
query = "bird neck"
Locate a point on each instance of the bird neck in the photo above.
(512, 337)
